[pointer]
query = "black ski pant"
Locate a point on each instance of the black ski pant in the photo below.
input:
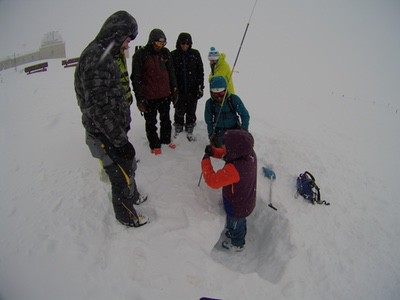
(123, 187)
(186, 106)
(155, 107)
(122, 177)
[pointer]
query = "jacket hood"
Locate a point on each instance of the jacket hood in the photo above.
(116, 29)
(156, 35)
(184, 37)
(221, 59)
(238, 143)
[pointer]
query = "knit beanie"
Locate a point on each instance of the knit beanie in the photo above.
(217, 84)
(213, 54)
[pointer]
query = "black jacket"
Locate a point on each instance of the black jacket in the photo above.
(188, 67)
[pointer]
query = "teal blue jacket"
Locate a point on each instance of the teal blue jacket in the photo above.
(233, 114)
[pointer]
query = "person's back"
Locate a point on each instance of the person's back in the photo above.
(238, 180)
(240, 200)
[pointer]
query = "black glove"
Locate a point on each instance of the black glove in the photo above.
(208, 150)
(121, 154)
(213, 139)
(142, 105)
(200, 92)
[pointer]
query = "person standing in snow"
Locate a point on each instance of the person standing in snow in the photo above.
(238, 179)
(190, 77)
(106, 113)
(154, 83)
(222, 111)
(220, 67)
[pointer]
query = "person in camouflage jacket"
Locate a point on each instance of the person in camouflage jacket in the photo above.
(106, 113)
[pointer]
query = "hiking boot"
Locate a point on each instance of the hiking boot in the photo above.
(131, 220)
(172, 146)
(156, 151)
(178, 130)
(140, 199)
(191, 137)
(189, 130)
(228, 246)
(142, 220)
(126, 214)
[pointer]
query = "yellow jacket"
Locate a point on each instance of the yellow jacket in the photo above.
(222, 68)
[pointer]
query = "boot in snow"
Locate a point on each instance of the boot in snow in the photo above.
(190, 136)
(178, 129)
(140, 199)
(228, 246)
(128, 215)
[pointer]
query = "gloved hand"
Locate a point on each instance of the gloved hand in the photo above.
(213, 139)
(200, 92)
(175, 97)
(121, 154)
(208, 152)
(142, 105)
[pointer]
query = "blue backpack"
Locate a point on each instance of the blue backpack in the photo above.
(307, 188)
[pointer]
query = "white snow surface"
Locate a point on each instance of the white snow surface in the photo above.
(321, 82)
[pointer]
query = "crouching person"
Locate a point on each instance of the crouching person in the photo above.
(238, 179)
(106, 113)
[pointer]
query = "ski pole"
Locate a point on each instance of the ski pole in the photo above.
(234, 64)
(201, 176)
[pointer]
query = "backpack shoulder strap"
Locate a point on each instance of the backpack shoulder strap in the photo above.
(310, 175)
(233, 110)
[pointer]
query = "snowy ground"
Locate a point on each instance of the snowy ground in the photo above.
(321, 84)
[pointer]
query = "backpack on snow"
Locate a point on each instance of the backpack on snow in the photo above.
(306, 187)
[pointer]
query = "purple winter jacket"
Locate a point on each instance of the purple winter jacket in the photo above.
(240, 198)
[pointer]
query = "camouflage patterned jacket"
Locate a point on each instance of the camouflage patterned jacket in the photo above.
(98, 87)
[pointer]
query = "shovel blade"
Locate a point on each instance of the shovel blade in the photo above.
(269, 173)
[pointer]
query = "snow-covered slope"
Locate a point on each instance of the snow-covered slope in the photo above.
(59, 238)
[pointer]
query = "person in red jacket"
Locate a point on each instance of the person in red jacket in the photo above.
(154, 83)
(238, 179)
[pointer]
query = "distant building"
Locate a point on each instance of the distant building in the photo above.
(52, 46)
